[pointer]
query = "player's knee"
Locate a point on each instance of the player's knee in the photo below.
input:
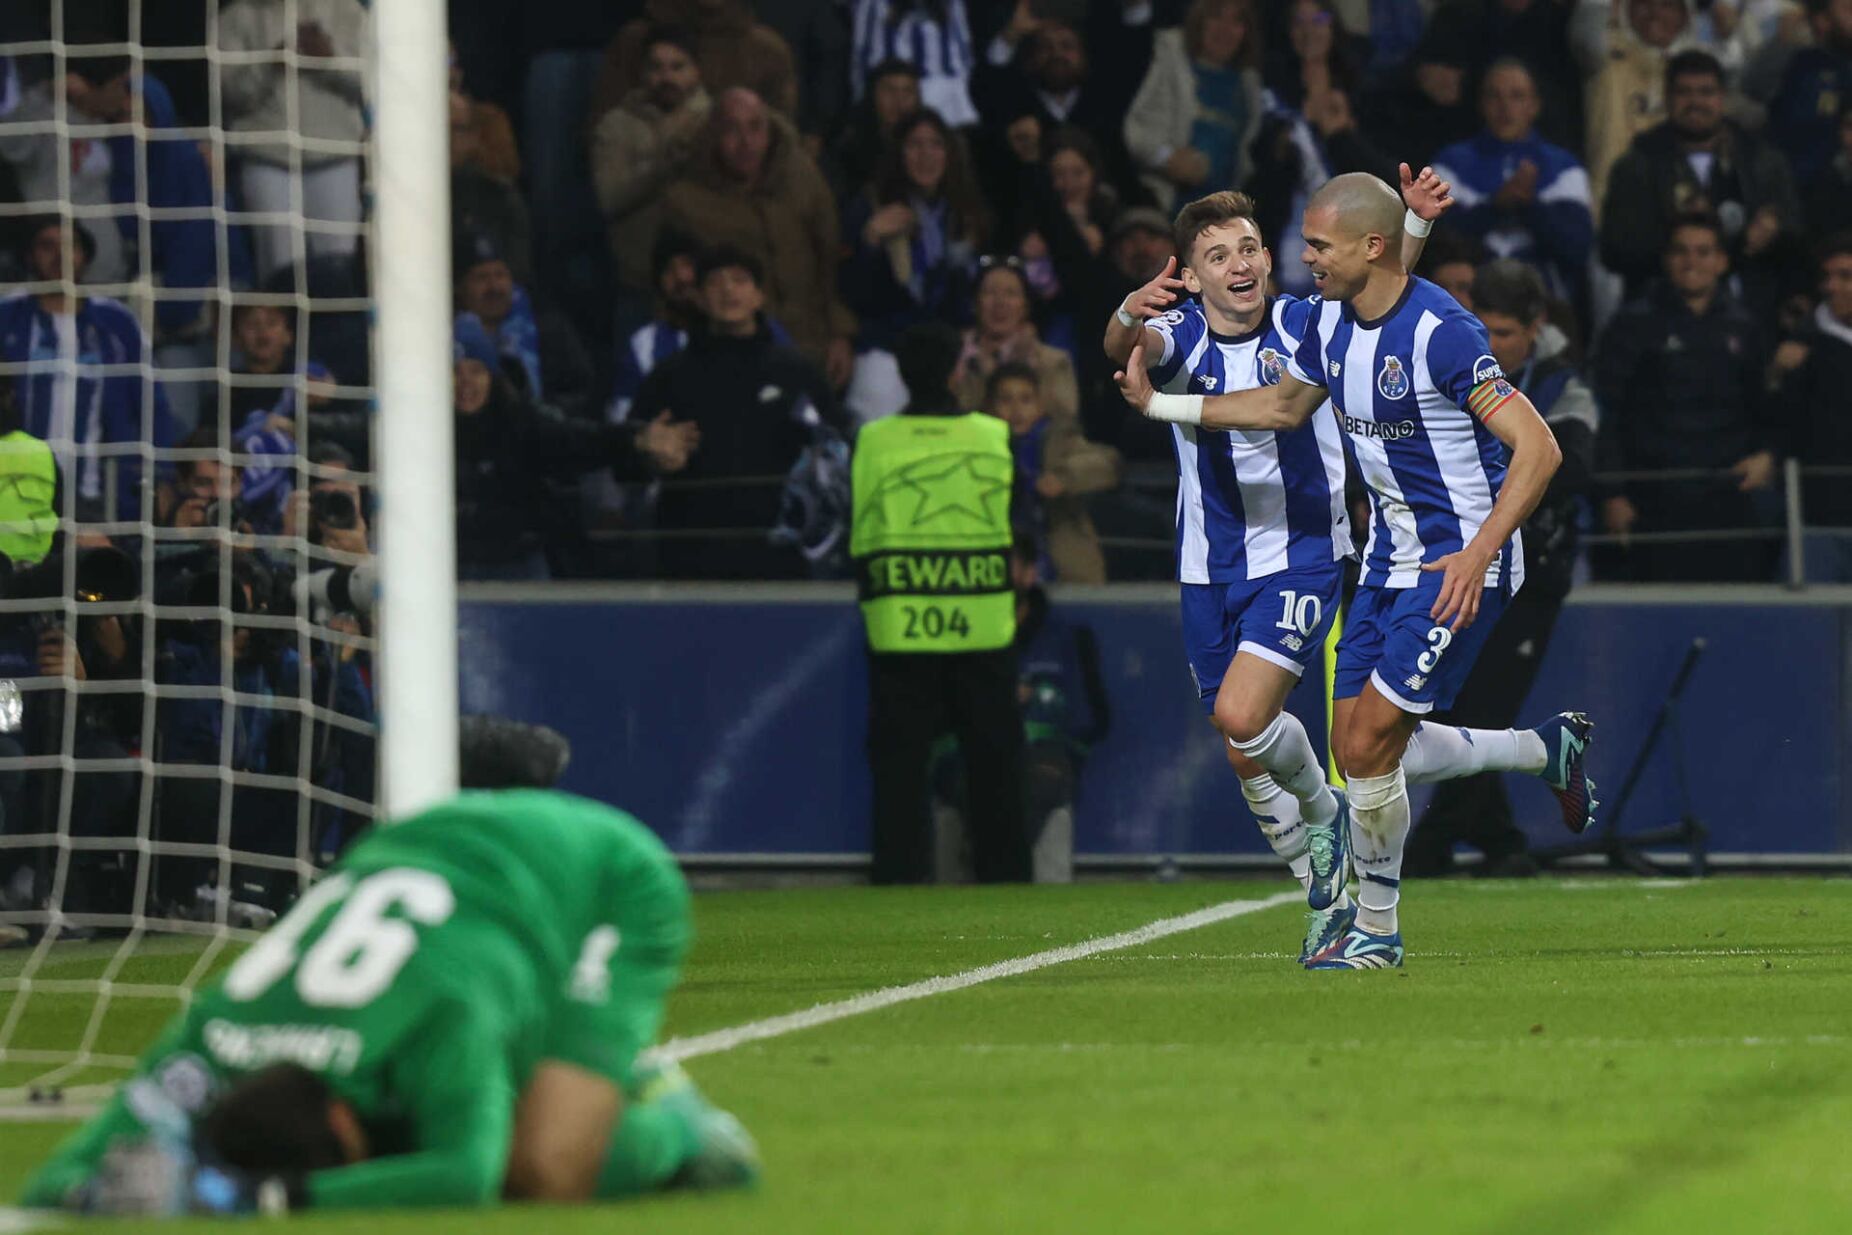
(1365, 751)
(1241, 720)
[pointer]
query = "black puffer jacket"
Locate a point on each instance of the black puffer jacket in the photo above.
(506, 454)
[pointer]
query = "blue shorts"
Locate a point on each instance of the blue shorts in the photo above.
(1282, 618)
(1416, 664)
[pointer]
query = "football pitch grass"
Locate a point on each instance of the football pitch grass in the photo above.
(1581, 1055)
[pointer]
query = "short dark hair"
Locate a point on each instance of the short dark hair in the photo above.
(205, 437)
(671, 243)
(674, 36)
(1512, 288)
(1207, 212)
(729, 257)
(1447, 247)
(1709, 222)
(893, 66)
(1693, 62)
(1839, 244)
(274, 1120)
(1009, 371)
(927, 358)
(96, 70)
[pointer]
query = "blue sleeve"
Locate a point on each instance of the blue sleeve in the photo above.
(1180, 330)
(1461, 366)
(1295, 317)
(1307, 361)
(1563, 217)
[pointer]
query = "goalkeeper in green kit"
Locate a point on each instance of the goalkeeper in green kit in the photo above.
(451, 1016)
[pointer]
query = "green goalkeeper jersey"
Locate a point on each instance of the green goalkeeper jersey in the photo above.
(423, 977)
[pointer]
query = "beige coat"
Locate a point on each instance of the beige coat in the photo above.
(1165, 109)
(1082, 466)
(636, 150)
(256, 96)
(787, 220)
(1623, 83)
(1054, 372)
(731, 47)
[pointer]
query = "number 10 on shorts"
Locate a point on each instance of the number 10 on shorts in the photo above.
(1300, 612)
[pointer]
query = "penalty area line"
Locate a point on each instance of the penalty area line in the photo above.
(721, 1040)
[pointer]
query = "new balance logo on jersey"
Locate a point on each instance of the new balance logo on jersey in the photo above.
(1336, 368)
(1291, 643)
(1207, 380)
(1393, 431)
(1414, 681)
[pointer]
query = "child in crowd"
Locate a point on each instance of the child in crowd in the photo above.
(1056, 466)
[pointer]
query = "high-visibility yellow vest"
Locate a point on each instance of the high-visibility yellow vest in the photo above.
(28, 498)
(931, 534)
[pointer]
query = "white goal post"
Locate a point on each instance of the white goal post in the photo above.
(103, 933)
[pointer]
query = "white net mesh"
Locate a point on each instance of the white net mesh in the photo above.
(186, 716)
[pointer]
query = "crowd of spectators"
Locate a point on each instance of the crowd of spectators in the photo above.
(1677, 172)
(688, 233)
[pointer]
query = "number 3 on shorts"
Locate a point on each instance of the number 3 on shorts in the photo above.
(1440, 637)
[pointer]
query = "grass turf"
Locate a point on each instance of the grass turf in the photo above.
(1575, 1056)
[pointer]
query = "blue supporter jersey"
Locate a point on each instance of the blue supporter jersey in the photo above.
(1413, 390)
(1249, 504)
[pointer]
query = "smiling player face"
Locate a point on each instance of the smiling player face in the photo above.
(1339, 260)
(1229, 268)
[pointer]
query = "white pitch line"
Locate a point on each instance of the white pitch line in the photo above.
(720, 1040)
(873, 1001)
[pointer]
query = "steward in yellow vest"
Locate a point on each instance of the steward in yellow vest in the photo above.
(931, 543)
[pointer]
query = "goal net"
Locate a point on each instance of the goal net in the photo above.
(193, 218)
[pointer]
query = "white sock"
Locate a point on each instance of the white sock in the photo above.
(1286, 752)
(1277, 813)
(1378, 835)
(1442, 752)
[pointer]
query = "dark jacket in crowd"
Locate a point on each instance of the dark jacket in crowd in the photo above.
(1803, 117)
(1551, 533)
(1816, 401)
(506, 454)
(1678, 390)
(759, 404)
(1653, 184)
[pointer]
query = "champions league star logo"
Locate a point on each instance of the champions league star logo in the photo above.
(937, 491)
(1272, 366)
(1393, 380)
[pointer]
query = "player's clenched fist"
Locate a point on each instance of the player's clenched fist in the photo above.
(1157, 296)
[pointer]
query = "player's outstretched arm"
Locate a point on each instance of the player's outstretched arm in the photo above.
(1535, 456)
(1427, 197)
(1284, 406)
(1126, 328)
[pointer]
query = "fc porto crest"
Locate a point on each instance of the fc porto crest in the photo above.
(1392, 382)
(1272, 366)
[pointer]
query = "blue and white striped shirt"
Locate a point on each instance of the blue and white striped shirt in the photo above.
(932, 35)
(1412, 390)
(1249, 504)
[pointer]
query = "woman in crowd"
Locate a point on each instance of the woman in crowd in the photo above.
(1311, 132)
(1069, 209)
(1200, 105)
(1003, 334)
(913, 237)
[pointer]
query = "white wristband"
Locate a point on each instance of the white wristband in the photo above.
(1415, 225)
(1125, 319)
(1178, 409)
